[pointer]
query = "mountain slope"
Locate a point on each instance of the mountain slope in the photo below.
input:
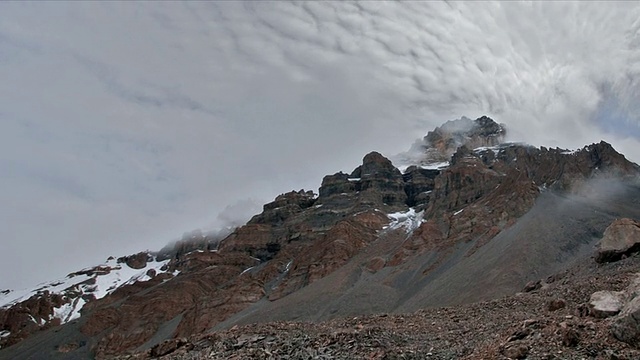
(469, 218)
(558, 231)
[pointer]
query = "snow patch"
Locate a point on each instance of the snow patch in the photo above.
(4, 333)
(90, 281)
(354, 179)
(457, 212)
(69, 311)
(409, 220)
(435, 166)
(440, 165)
(247, 269)
(570, 152)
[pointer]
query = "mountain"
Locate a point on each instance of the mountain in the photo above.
(459, 220)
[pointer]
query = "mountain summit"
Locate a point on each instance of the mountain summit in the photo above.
(436, 148)
(459, 219)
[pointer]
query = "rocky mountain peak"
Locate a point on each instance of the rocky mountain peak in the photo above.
(468, 218)
(374, 183)
(442, 142)
(376, 165)
(284, 206)
(447, 138)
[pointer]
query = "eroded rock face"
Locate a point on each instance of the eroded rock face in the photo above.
(283, 207)
(621, 238)
(381, 182)
(418, 185)
(330, 252)
(375, 183)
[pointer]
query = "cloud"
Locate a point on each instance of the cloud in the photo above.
(238, 213)
(125, 125)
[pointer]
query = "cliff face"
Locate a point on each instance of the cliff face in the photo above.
(463, 190)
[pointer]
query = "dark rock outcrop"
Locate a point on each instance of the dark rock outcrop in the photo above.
(380, 182)
(375, 183)
(283, 207)
(418, 185)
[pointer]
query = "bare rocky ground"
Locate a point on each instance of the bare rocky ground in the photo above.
(551, 322)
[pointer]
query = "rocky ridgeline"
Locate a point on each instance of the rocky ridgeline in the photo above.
(301, 237)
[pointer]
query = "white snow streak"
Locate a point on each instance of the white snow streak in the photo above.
(409, 220)
(96, 284)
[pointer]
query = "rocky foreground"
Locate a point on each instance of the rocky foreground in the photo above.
(551, 319)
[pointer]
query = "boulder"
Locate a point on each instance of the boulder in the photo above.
(556, 304)
(515, 351)
(136, 261)
(532, 286)
(604, 304)
(621, 238)
(626, 326)
(570, 337)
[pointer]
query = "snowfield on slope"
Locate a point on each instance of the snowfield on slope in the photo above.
(440, 165)
(94, 281)
(409, 220)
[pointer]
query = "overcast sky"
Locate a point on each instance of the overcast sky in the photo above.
(123, 125)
